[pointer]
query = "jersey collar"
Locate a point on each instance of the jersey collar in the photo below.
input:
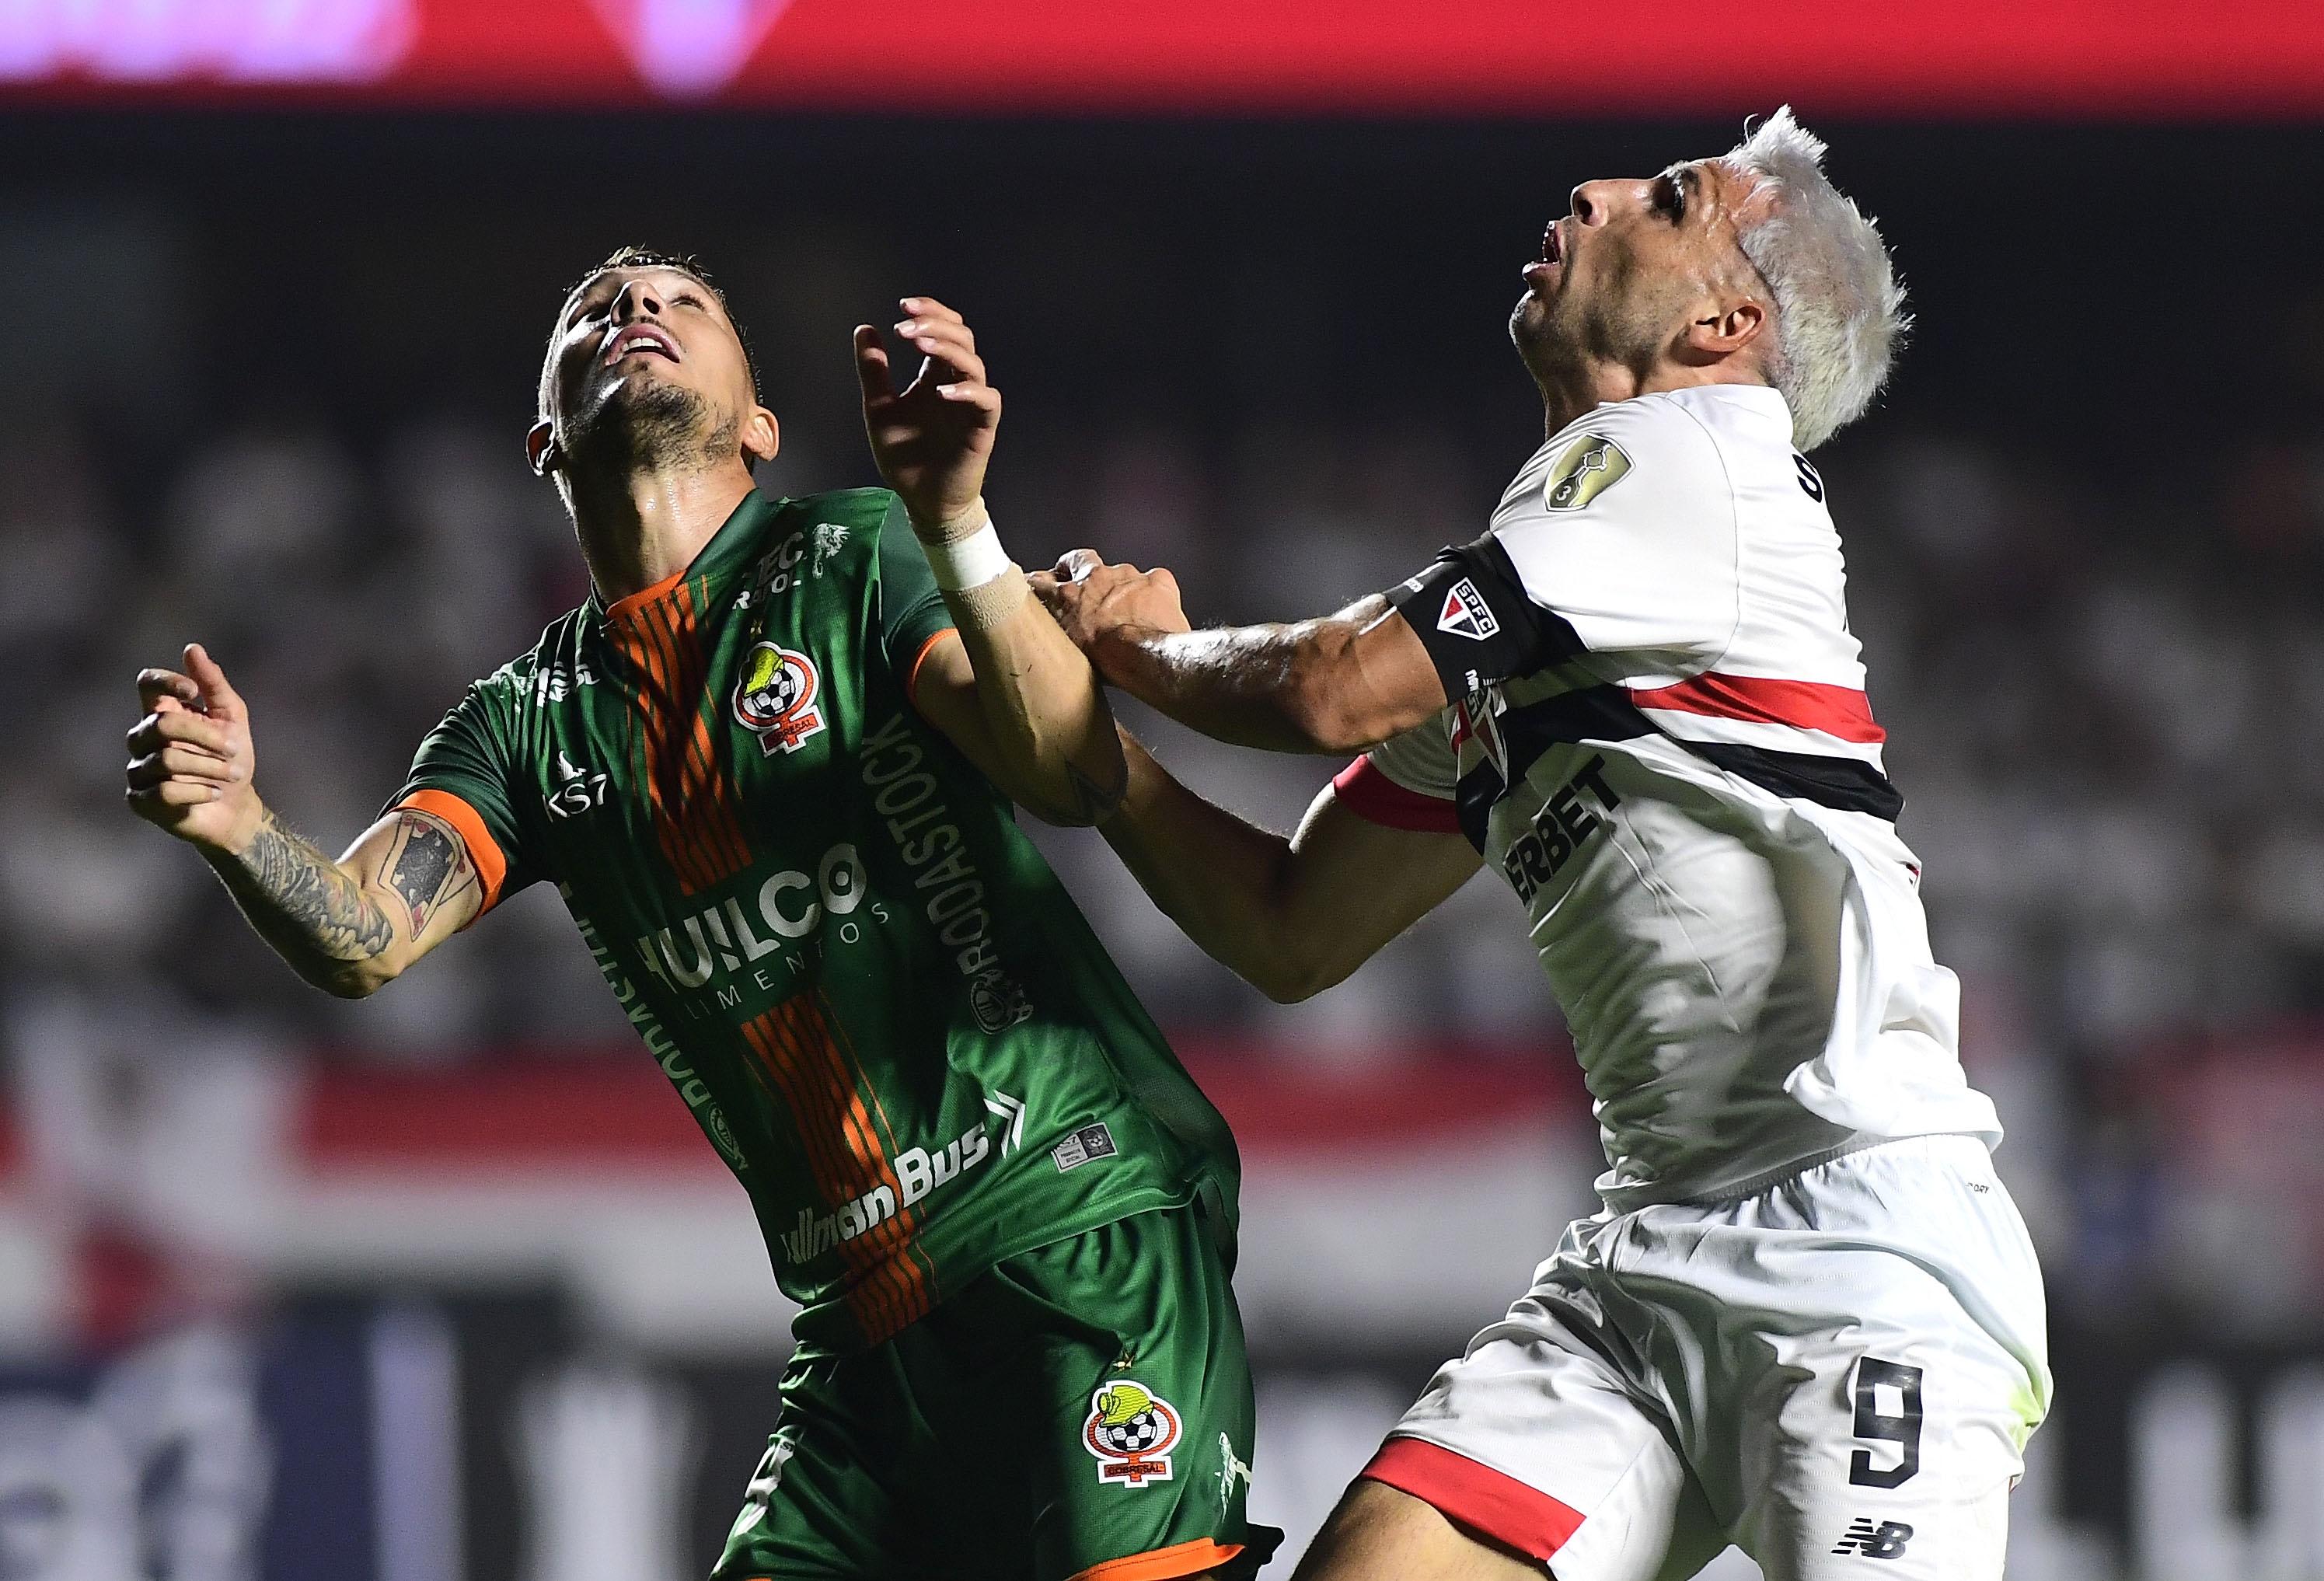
(727, 546)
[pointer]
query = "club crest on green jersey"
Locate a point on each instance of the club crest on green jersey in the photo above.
(1591, 466)
(775, 698)
(1130, 1431)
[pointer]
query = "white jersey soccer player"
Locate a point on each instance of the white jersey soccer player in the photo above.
(1808, 1319)
(1664, 746)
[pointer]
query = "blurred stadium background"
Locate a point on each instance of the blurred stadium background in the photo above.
(443, 1286)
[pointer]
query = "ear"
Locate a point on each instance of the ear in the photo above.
(1726, 329)
(761, 435)
(541, 448)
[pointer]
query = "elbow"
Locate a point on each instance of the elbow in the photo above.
(1289, 978)
(1294, 987)
(354, 979)
(1073, 798)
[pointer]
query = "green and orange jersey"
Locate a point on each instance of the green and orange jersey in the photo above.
(867, 986)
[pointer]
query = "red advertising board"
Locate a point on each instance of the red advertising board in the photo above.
(2134, 58)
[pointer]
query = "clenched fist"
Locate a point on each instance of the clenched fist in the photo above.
(1094, 601)
(191, 763)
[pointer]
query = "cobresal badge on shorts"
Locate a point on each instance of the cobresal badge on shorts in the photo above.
(1130, 1431)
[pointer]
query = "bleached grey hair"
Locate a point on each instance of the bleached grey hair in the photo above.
(1840, 308)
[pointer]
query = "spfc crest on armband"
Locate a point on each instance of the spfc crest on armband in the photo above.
(1591, 466)
(775, 698)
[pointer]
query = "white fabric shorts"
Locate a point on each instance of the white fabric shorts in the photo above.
(1843, 1366)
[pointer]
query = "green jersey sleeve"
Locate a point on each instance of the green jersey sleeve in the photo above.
(463, 773)
(911, 608)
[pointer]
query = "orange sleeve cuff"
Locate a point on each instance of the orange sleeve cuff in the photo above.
(491, 866)
(1165, 1564)
(912, 672)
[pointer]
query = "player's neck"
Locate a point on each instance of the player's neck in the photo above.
(1570, 395)
(644, 526)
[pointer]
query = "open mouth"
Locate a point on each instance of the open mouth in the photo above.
(640, 338)
(1538, 274)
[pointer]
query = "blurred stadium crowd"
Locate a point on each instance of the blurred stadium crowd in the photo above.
(2125, 848)
(284, 419)
(265, 382)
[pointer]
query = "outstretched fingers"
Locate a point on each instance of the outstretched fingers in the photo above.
(929, 308)
(219, 698)
(872, 366)
(948, 344)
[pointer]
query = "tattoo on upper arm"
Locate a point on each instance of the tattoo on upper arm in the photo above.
(427, 866)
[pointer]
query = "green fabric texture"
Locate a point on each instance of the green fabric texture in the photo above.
(869, 989)
(1081, 1403)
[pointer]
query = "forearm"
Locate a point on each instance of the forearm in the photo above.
(314, 913)
(1225, 882)
(1335, 684)
(1253, 686)
(1053, 744)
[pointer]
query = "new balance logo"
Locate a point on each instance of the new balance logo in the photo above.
(1884, 1541)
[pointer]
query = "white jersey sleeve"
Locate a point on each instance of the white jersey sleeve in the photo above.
(1617, 541)
(1407, 782)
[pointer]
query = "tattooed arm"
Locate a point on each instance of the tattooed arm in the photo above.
(351, 926)
(348, 927)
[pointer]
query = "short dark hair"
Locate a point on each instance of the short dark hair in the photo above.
(685, 264)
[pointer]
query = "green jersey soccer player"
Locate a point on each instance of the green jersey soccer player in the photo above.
(768, 765)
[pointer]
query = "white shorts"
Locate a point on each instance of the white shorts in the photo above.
(1843, 1366)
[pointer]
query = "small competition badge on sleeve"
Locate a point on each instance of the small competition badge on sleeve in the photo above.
(1591, 466)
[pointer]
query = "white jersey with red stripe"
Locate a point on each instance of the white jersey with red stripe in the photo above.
(1661, 741)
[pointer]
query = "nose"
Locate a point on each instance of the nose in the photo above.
(1593, 201)
(636, 299)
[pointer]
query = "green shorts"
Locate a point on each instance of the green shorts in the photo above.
(1079, 1413)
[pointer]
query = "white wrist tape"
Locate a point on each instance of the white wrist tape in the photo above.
(968, 562)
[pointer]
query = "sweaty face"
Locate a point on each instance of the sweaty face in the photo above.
(647, 359)
(1621, 277)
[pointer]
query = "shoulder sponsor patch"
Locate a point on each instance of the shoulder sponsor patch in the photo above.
(775, 698)
(1591, 466)
(1132, 1431)
(1466, 613)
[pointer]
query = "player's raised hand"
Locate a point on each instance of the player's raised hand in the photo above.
(932, 440)
(1093, 600)
(190, 761)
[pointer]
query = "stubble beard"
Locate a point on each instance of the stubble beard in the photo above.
(1545, 343)
(646, 425)
(1560, 339)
